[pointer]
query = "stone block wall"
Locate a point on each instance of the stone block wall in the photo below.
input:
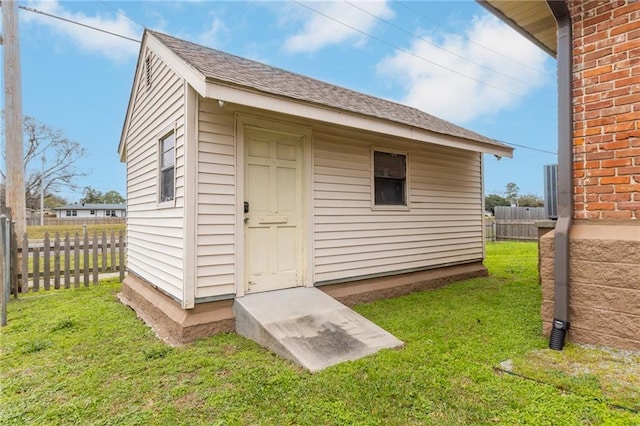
(606, 108)
(604, 289)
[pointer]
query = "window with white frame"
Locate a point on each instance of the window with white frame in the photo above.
(389, 178)
(92, 212)
(167, 168)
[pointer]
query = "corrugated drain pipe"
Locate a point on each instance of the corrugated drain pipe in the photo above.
(565, 175)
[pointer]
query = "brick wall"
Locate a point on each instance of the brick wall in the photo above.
(606, 108)
(604, 290)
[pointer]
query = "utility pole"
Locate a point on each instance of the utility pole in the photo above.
(13, 115)
(42, 192)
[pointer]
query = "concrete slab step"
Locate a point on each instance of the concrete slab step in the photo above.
(309, 327)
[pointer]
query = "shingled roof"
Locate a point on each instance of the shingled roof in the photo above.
(217, 66)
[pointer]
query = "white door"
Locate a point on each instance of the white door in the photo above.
(273, 210)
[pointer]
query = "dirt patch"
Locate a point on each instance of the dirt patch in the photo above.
(607, 374)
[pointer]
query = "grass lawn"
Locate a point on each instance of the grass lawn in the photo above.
(79, 357)
(37, 232)
(105, 267)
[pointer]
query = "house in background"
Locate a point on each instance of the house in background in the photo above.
(591, 267)
(243, 178)
(81, 211)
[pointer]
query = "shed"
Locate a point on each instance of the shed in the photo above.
(244, 178)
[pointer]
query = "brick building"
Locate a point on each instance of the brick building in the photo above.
(590, 265)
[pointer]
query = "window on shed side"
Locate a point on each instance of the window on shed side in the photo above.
(167, 167)
(390, 178)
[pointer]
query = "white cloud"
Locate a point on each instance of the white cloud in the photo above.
(215, 30)
(89, 40)
(319, 31)
(442, 91)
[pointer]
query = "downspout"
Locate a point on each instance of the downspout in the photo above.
(565, 175)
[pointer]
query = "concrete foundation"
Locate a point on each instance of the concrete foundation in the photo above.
(604, 283)
(178, 326)
(544, 227)
(364, 291)
(166, 317)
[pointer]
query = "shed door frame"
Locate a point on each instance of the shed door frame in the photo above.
(305, 133)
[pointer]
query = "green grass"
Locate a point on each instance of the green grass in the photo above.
(37, 232)
(104, 267)
(605, 374)
(79, 357)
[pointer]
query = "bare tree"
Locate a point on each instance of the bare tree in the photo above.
(49, 159)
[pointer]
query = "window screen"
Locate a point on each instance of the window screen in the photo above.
(390, 179)
(167, 169)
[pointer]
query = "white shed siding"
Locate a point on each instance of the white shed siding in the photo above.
(442, 226)
(216, 202)
(154, 235)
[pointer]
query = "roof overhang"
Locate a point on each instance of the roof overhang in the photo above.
(122, 147)
(293, 107)
(532, 19)
(190, 74)
(240, 95)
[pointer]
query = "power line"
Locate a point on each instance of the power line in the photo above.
(29, 9)
(435, 45)
(120, 12)
(402, 3)
(295, 1)
(533, 149)
(378, 39)
(431, 62)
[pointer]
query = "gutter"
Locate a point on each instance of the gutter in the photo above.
(565, 175)
(515, 26)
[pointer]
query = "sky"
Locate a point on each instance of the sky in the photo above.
(451, 59)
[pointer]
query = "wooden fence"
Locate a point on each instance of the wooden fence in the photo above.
(518, 223)
(69, 261)
(520, 214)
(490, 229)
(516, 231)
(58, 221)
